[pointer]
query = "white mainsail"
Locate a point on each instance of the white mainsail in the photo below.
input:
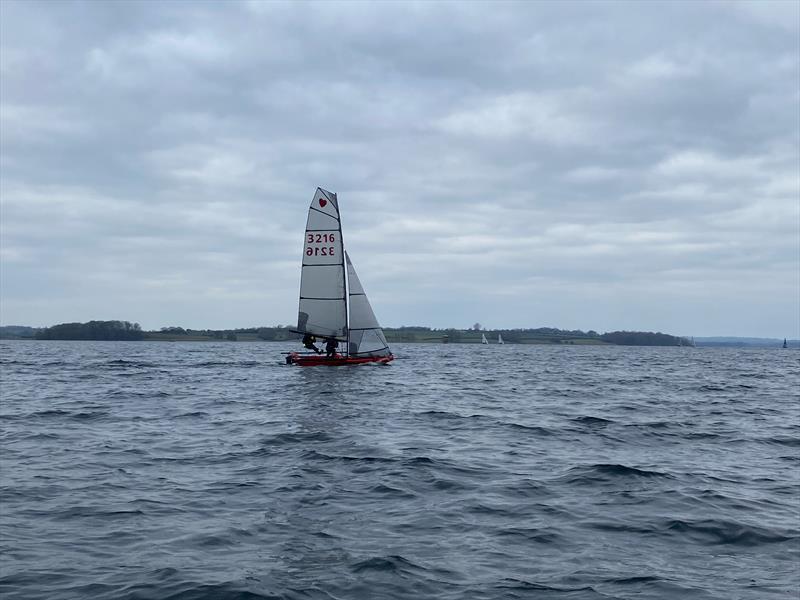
(500, 339)
(483, 339)
(366, 335)
(323, 299)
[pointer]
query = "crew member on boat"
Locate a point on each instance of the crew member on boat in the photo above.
(330, 347)
(308, 342)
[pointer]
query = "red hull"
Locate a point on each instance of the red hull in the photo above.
(338, 361)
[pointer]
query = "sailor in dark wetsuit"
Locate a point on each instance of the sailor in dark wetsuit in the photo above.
(308, 342)
(330, 347)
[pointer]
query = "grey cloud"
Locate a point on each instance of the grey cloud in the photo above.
(594, 165)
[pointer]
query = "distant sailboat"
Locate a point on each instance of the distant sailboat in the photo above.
(500, 339)
(483, 339)
(785, 345)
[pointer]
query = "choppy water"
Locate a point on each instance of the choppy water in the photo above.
(156, 470)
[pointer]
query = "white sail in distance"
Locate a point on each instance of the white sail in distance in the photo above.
(366, 335)
(323, 299)
(483, 339)
(500, 339)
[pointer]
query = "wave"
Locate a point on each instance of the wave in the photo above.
(455, 419)
(593, 421)
(450, 485)
(295, 437)
(525, 488)
(530, 429)
(82, 512)
(192, 414)
(388, 491)
(530, 534)
(56, 413)
(125, 364)
(190, 590)
(782, 440)
(393, 563)
(633, 579)
(316, 455)
(603, 472)
(708, 532)
(521, 584)
(721, 532)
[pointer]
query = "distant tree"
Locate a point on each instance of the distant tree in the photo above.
(93, 330)
(10, 332)
(453, 335)
(640, 338)
(231, 337)
(476, 327)
(174, 330)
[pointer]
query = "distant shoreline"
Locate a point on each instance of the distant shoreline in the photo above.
(127, 331)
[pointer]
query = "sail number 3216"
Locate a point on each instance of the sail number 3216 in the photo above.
(320, 238)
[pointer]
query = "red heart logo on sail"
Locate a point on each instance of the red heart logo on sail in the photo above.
(322, 202)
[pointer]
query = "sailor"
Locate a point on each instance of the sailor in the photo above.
(308, 342)
(330, 347)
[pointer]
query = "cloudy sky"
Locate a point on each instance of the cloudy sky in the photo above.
(589, 165)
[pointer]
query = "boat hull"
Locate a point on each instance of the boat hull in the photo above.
(301, 360)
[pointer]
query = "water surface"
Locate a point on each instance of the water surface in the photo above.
(211, 470)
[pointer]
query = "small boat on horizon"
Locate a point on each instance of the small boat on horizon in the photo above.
(500, 339)
(483, 339)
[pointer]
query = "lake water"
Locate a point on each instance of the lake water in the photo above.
(203, 470)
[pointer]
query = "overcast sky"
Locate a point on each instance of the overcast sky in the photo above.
(587, 165)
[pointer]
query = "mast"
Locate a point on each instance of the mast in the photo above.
(346, 287)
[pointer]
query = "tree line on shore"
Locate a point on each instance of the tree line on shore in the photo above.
(127, 331)
(93, 330)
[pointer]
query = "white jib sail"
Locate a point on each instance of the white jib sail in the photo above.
(483, 339)
(323, 302)
(366, 336)
(500, 339)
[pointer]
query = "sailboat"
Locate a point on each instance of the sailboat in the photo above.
(500, 339)
(785, 345)
(483, 339)
(333, 304)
